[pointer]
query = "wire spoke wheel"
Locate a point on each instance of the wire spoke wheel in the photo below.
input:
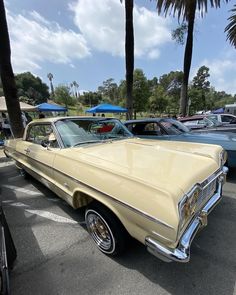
(105, 229)
(100, 231)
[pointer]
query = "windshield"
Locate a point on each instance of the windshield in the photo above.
(214, 121)
(75, 132)
(173, 127)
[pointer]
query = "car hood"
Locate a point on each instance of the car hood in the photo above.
(170, 167)
(226, 140)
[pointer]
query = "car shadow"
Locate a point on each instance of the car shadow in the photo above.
(212, 267)
(76, 214)
(231, 176)
(22, 233)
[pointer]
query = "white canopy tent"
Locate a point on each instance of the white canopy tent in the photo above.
(23, 106)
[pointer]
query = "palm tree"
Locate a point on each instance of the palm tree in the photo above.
(50, 78)
(7, 77)
(129, 55)
(76, 86)
(231, 27)
(187, 11)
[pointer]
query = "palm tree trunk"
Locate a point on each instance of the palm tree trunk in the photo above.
(187, 60)
(52, 90)
(7, 77)
(129, 55)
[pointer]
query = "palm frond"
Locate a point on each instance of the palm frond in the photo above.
(231, 27)
(181, 7)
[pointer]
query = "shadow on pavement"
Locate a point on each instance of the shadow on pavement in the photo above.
(212, 268)
(231, 176)
(22, 234)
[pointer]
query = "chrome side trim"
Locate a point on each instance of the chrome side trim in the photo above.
(122, 203)
(135, 210)
(182, 252)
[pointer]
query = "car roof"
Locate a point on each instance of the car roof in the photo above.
(195, 117)
(55, 119)
(148, 120)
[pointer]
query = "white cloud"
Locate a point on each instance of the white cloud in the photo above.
(102, 24)
(35, 40)
(222, 72)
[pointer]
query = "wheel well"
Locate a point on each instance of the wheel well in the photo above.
(95, 204)
(81, 199)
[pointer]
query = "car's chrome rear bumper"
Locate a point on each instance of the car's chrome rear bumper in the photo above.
(182, 252)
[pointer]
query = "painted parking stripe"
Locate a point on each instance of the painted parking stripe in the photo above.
(19, 204)
(23, 190)
(52, 216)
(42, 213)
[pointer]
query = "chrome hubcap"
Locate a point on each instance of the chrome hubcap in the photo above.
(99, 231)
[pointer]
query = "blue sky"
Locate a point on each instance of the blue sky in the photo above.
(83, 41)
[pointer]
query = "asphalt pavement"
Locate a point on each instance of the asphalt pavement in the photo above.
(57, 256)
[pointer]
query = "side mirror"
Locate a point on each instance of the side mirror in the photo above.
(44, 143)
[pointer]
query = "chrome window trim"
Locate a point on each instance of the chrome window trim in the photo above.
(44, 123)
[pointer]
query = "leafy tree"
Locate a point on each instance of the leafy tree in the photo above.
(122, 93)
(31, 89)
(7, 77)
(152, 84)
(171, 84)
(172, 81)
(187, 11)
(141, 91)
(62, 95)
(214, 99)
(179, 33)
(91, 98)
(109, 91)
(201, 83)
(221, 98)
(158, 101)
(195, 97)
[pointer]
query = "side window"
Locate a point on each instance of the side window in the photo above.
(137, 129)
(41, 133)
(214, 117)
(226, 119)
(150, 127)
(202, 122)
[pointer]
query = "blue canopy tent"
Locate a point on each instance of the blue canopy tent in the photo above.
(106, 108)
(219, 111)
(48, 107)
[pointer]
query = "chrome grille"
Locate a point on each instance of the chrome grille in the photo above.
(207, 192)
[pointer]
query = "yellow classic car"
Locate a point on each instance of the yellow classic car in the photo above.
(158, 192)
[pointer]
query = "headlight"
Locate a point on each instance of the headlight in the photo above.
(188, 205)
(223, 157)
